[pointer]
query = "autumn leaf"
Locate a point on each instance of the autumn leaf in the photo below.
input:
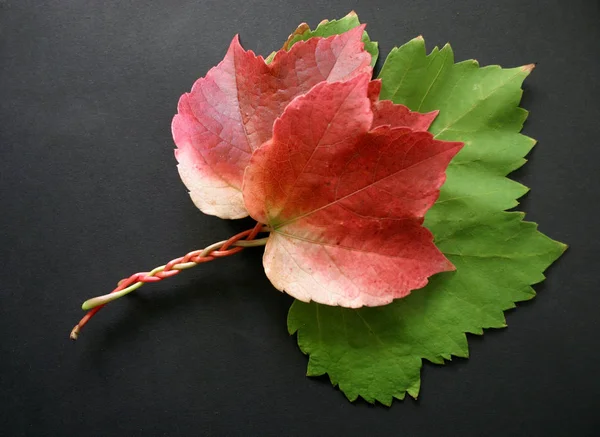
(230, 112)
(345, 199)
(377, 353)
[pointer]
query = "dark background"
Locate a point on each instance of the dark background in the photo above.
(90, 194)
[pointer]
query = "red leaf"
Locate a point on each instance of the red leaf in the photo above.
(346, 201)
(229, 113)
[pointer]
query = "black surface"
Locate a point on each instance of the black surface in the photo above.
(90, 194)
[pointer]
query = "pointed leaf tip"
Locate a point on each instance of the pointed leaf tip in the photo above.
(528, 68)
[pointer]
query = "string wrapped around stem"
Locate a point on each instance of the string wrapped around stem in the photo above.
(221, 249)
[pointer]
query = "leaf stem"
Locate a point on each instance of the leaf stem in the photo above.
(216, 250)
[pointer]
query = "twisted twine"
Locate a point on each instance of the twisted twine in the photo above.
(221, 249)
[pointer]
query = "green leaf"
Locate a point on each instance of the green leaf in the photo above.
(376, 353)
(334, 27)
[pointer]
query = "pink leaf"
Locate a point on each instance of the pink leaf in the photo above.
(229, 113)
(346, 201)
